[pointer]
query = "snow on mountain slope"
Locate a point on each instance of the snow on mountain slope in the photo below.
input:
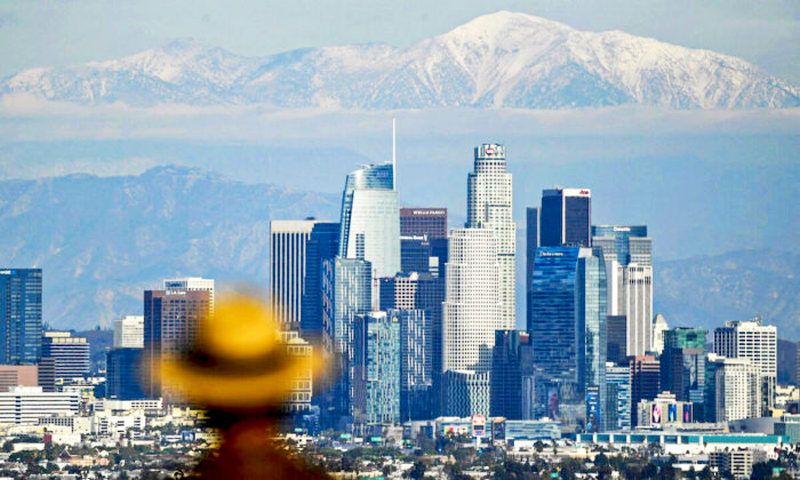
(500, 60)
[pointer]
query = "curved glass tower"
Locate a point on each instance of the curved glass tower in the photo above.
(370, 224)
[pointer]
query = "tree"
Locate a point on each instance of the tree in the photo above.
(417, 471)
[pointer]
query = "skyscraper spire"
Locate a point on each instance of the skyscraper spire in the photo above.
(394, 154)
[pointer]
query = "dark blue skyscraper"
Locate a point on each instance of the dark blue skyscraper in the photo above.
(323, 244)
(20, 315)
(511, 365)
(568, 330)
(124, 377)
(566, 217)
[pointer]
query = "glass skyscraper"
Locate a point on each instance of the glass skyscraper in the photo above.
(566, 217)
(370, 222)
(568, 333)
(20, 315)
(377, 368)
(683, 365)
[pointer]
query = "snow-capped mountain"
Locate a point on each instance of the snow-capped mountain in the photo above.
(500, 60)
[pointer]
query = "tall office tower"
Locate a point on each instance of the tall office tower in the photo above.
(512, 365)
(297, 249)
(531, 244)
(759, 344)
(683, 365)
(346, 293)
(20, 315)
(566, 217)
(660, 326)
(471, 313)
(124, 374)
(192, 284)
(616, 327)
(171, 321)
(298, 400)
(70, 354)
(416, 255)
(370, 224)
(489, 206)
(568, 333)
(430, 223)
(645, 382)
(129, 332)
(376, 369)
(736, 390)
(629, 267)
(618, 405)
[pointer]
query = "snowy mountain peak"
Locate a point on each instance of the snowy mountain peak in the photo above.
(503, 59)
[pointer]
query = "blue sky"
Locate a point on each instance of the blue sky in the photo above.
(58, 32)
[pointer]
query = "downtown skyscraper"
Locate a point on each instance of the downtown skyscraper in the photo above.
(565, 217)
(20, 315)
(489, 206)
(629, 268)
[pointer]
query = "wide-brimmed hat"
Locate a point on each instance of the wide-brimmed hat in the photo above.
(238, 359)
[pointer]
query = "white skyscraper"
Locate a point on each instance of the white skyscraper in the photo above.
(489, 205)
(660, 326)
(471, 313)
(129, 332)
(757, 343)
(288, 240)
(737, 388)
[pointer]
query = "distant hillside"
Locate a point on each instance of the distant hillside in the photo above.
(102, 240)
(709, 290)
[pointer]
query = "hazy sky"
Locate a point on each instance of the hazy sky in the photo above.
(61, 32)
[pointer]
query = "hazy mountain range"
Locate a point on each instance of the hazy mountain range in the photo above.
(499, 60)
(102, 240)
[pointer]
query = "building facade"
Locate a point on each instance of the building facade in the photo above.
(70, 354)
(377, 369)
(489, 206)
(566, 217)
(124, 374)
(25, 405)
(645, 373)
(129, 332)
(734, 390)
(298, 400)
(20, 315)
(568, 333)
(512, 375)
(618, 398)
(683, 365)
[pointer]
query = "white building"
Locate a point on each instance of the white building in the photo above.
(660, 326)
(489, 205)
(129, 332)
(288, 240)
(759, 344)
(192, 284)
(471, 310)
(737, 388)
(25, 405)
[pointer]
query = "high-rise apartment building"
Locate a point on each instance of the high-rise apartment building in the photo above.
(171, 321)
(489, 206)
(416, 364)
(20, 315)
(565, 217)
(70, 354)
(568, 332)
(370, 222)
(618, 407)
(628, 254)
(376, 368)
(736, 390)
(645, 373)
(129, 332)
(759, 344)
(297, 248)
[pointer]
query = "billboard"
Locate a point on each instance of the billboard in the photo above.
(672, 413)
(655, 414)
(687, 413)
(478, 426)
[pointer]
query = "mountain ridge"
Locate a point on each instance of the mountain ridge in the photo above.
(500, 60)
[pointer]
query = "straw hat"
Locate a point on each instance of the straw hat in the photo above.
(238, 359)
